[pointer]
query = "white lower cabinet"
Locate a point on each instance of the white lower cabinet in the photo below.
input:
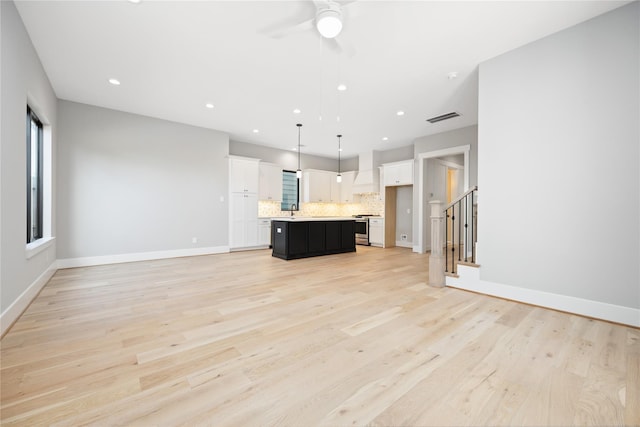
(244, 220)
(264, 231)
(376, 232)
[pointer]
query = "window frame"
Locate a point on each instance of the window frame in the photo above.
(32, 118)
(283, 207)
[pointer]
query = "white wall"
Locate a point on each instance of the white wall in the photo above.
(395, 155)
(133, 184)
(440, 141)
(288, 159)
(454, 138)
(404, 219)
(22, 79)
(559, 160)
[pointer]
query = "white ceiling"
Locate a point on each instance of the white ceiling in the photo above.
(173, 57)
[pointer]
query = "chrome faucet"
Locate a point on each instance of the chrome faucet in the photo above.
(293, 207)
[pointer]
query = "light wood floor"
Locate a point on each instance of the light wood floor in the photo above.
(245, 339)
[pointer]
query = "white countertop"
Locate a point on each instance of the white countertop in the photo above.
(313, 218)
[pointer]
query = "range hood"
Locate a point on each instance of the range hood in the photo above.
(368, 177)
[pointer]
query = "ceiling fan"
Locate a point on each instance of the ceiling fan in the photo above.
(328, 22)
(328, 18)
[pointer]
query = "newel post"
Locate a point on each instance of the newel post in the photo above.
(436, 259)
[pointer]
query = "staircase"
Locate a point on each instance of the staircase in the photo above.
(457, 223)
(461, 232)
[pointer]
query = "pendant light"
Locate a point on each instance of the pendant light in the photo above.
(339, 176)
(299, 171)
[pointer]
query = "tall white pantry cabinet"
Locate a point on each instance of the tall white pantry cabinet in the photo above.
(243, 204)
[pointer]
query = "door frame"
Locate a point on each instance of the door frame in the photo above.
(423, 210)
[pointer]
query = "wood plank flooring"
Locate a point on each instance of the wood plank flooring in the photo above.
(246, 339)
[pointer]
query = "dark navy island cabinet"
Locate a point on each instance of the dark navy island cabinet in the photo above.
(300, 238)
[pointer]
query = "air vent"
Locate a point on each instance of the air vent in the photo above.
(443, 117)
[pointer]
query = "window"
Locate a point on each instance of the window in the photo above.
(290, 191)
(34, 177)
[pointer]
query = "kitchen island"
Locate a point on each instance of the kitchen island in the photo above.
(303, 237)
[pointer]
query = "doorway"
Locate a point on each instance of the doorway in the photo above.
(443, 175)
(453, 184)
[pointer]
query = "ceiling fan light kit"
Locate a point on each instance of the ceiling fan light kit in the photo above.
(329, 21)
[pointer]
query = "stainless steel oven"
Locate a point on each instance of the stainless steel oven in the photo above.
(362, 230)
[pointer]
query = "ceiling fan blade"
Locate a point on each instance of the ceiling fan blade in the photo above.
(278, 31)
(321, 4)
(341, 47)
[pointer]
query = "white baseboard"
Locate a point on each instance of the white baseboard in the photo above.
(404, 244)
(469, 279)
(13, 312)
(140, 256)
(248, 248)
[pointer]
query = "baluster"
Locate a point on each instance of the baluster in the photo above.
(466, 226)
(453, 239)
(446, 241)
(473, 232)
(459, 229)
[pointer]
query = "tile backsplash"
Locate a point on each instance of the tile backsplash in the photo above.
(368, 203)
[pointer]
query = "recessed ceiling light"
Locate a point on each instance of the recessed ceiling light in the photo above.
(135, 1)
(296, 111)
(339, 149)
(384, 138)
(295, 148)
(452, 75)
(209, 105)
(342, 87)
(114, 82)
(400, 113)
(256, 131)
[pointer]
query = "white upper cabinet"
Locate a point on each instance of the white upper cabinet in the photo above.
(346, 187)
(316, 186)
(334, 195)
(322, 186)
(243, 175)
(398, 173)
(270, 182)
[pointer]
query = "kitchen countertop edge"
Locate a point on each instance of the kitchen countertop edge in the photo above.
(308, 218)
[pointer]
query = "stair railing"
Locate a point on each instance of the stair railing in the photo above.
(465, 229)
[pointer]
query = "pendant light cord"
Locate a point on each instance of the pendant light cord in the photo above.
(339, 150)
(299, 171)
